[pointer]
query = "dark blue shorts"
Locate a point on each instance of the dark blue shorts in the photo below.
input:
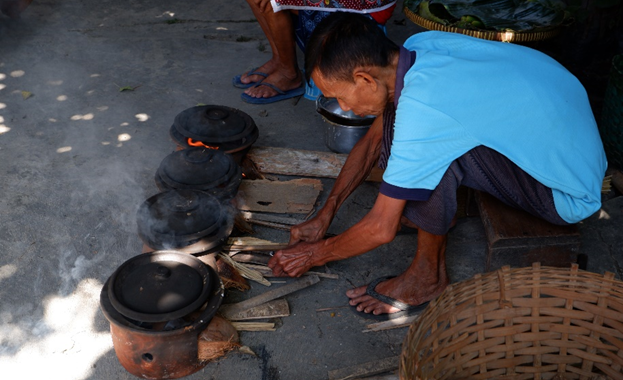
(481, 169)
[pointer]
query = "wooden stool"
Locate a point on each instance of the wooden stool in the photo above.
(518, 239)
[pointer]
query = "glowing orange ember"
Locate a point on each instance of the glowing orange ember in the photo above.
(192, 142)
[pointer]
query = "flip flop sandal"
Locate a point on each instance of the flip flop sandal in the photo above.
(237, 83)
(405, 309)
(281, 95)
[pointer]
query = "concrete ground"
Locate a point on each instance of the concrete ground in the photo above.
(78, 156)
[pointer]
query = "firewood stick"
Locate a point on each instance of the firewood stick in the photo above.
(251, 258)
(267, 272)
(271, 309)
(258, 248)
(255, 216)
(366, 369)
(277, 226)
(391, 324)
(244, 271)
(230, 309)
(251, 247)
(254, 326)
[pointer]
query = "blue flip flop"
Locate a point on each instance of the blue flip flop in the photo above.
(281, 95)
(405, 309)
(237, 83)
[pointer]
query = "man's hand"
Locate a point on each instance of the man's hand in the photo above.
(296, 260)
(310, 231)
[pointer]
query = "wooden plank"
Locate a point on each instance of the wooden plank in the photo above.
(366, 369)
(233, 309)
(285, 197)
(272, 309)
(304, 163)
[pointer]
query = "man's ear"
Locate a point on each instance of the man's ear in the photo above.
(365, 79)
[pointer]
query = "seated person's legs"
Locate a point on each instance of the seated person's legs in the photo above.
(284, 30)
(282, 69)
(481, 169)
(486, 170)
(426, 277)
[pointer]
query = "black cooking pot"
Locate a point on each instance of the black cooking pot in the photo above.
(216, 127)
(182, 217)
(159, 287)
(209, 170)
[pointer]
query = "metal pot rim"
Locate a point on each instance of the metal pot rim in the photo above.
(159, 256)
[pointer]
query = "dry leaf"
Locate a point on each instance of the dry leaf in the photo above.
(27, 94)
(246, 350)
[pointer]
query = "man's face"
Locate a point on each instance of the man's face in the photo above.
(362, 96)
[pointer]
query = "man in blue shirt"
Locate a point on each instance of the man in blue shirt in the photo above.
(452, 110)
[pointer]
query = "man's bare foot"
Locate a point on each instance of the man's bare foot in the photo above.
(406, 289)
(279, 79)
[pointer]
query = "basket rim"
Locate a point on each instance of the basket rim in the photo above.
(506, 36)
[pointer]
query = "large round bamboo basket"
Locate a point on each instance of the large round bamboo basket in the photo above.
(526, 323)
(506, 36)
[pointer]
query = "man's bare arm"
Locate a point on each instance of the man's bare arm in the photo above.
(356, 169)
(378, 227)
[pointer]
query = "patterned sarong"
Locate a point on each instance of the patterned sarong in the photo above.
(357, 6)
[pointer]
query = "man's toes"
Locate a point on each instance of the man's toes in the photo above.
(368, 305)
(357, 292)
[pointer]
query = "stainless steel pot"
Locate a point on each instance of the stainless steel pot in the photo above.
(342, 138)
(342, 129)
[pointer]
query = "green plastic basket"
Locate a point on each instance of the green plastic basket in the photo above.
(611, 127)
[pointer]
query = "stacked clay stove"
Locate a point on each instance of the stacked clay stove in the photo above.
(193, 213)
(158, 302)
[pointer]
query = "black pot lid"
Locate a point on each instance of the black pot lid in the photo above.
(197, 168)
(224, 192)
(158, 287)
(231, 147)
(214, 124)
(179, 215)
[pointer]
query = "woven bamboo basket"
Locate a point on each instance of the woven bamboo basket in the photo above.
(504, 36)
(524, 323)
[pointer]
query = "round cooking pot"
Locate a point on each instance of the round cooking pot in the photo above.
(159, 287)
(216, 127)
(209, 170)
(169, 348)
(342, 129)
(182, 217)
